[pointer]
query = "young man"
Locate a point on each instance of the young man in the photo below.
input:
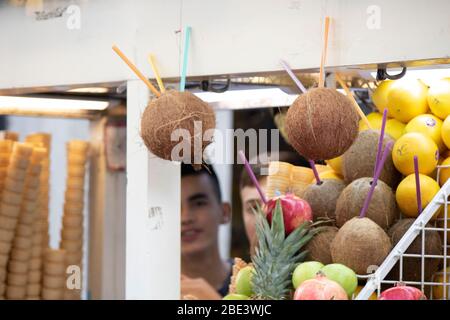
(204, 274)
(249, 195)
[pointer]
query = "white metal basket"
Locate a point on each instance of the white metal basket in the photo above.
(378, 278)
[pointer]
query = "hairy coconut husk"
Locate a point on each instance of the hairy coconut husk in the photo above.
(237, 266)
(323, 197)
(176, 110)
(359, 160)
(382, 208)
(360, 244)
(412, 266)
(319, 246)
(321, 124)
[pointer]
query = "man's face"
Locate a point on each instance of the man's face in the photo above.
(201, 214)
(250, 199)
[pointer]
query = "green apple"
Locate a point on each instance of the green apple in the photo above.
(305, 271)
(244, 281)
(235, 296)
(343, 275)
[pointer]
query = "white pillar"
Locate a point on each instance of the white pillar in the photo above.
(153, 212)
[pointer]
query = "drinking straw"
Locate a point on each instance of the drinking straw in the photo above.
(386, 151)
(380, 141)
(418, 193)
(136, 70)
(151, 60)
(354, 103)
(252, 176)
(187, 37)
(316, 173)
(324, 53)
(292, 75)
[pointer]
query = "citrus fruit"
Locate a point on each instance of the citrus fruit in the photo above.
(444, 174)
(445, 132)
(380, 94)
(406, 193)
(438, 291)
(415, 144)
(336, 164)
(429, 125)
(407, 98)
(439, 98)
(375, 120)
(373, 296)
(395, 128)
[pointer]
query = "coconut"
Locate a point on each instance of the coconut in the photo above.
(359, 160)
(177, 110)
(321, 124)
(360, 244)
(382, 208)
(322, 197)
(412, 267)
(319, 246)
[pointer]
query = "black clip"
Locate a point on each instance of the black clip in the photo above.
(383, 75)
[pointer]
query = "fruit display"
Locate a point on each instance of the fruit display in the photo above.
(363, 200)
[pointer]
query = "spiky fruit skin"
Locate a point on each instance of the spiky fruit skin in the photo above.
(277, 255)
(295, 211)
(402, 292)
(320, 288)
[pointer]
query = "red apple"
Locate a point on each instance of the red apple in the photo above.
(295, 211)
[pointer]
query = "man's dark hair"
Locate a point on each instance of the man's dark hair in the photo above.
(284, 156)
(188, 170)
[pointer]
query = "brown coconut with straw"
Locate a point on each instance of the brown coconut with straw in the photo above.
(174, 124)
(382, 209)
(322, 123)
(359, 160)
(361, 243)
(322, 195)
(383, 206)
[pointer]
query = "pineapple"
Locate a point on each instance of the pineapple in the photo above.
(277, 255)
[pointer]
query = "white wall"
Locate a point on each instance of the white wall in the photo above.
(228, 37)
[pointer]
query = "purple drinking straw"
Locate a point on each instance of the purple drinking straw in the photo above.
(362, 214)
(252, 176)
(316, 173)
(380, 141)
(418, 193)
(292, 75)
